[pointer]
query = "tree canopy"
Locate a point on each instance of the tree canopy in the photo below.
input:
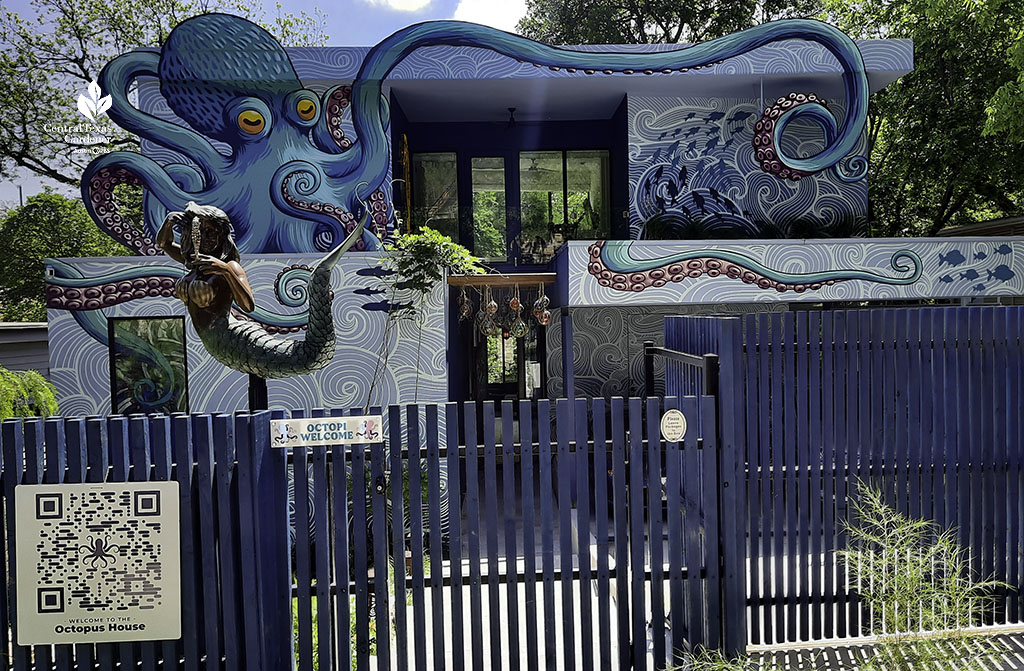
(932, 163)
(49, 225)
(47, 60)
(634, 22)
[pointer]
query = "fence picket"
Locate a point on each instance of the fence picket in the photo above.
(583, 480)
(381, 597)
(451, 422)
(413, 464)
(620, 503)
(563, 499)
(490, 494)
(473, 532)
(436, 551)
(637, 564)
(527, 457)
(508, 460)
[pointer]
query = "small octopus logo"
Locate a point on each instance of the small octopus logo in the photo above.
(99, 550)
(369, 430)
(284, 435)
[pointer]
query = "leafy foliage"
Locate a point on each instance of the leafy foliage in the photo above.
(26, 394)
(48, 59)
(915, 579)
(422, 259)
(932, 165)
(47, 226)
(1006, 108)
(614, 22)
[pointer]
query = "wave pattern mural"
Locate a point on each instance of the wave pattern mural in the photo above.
(701, 272)
(80, 365)
(693, 174)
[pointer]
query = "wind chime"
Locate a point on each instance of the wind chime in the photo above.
(510, 324)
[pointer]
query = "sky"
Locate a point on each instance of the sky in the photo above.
(349, 23)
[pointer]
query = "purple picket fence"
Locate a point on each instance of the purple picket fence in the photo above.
(922, 402)
(526, 535)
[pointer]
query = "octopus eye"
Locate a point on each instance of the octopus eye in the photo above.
(306, 109)
(251, 121)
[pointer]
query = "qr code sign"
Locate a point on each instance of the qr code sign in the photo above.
(97, 562)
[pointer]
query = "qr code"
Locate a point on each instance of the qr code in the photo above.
(99, 550)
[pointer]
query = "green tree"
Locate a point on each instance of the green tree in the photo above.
(633, 22)
(932, 165)
(49, 225)
(1006, 107)
(47, 60)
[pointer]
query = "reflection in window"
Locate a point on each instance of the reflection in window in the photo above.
(587, 195)
(563, 196)
(435, 201)
(489, 208)
(501, 360)
(148, 367)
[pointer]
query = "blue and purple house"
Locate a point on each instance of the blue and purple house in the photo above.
(626, 183)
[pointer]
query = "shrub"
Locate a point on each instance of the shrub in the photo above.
(917, 583)
(26, 394)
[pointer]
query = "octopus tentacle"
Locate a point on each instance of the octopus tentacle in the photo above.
(122, 167)
(614, 267)
(292, 190)
(371, 148)
(117, 77)
(328, 134)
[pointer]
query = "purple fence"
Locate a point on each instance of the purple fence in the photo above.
(566, 534)
(924, 402)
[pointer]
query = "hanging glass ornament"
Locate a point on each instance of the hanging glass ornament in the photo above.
(544, 318)
(465, 306)
(519, 328)
(492, 306)
(540, 306)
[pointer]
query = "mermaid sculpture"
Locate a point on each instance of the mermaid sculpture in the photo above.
(216, 280)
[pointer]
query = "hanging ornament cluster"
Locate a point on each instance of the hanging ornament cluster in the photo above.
(491, 319)
(540, 308)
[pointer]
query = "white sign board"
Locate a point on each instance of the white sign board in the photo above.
(673, 425)
(97, 563)
(325, 431)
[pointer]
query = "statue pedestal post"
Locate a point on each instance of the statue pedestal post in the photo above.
(257, 393)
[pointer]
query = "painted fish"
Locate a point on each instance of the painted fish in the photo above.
(714, 116)
(711, 144)
(368, 291)
(693, 131)
(1001, 273)
(981, 256)
(689, 116)
(739, 116)
(715, 195)
(1003, 249)
(691, 147)
(971, 274)
(384, 306)
(698, 200)
(375, 271)
(953, 258)
(946, 279)
(978, 287)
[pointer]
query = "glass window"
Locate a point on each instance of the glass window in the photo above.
(540, 201)
(501, 360)
(488, 176)
(587, 195)
(435, 200)
(148, 368)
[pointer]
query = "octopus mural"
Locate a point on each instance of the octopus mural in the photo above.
(271, 153)
(614, 267)
(294, 183)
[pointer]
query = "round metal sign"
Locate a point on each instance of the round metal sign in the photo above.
(673, 426)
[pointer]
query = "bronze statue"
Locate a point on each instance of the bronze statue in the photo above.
(216, 280)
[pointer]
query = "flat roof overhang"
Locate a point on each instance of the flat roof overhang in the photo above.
(446, 84)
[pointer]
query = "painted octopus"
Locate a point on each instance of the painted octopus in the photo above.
(292, 182)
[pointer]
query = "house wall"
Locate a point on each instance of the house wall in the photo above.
(693, 174)
(80, 365)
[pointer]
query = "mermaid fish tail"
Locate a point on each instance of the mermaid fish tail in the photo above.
(247, 347)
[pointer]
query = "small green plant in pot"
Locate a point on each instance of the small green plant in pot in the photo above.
(419, 261)
(915, 580)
